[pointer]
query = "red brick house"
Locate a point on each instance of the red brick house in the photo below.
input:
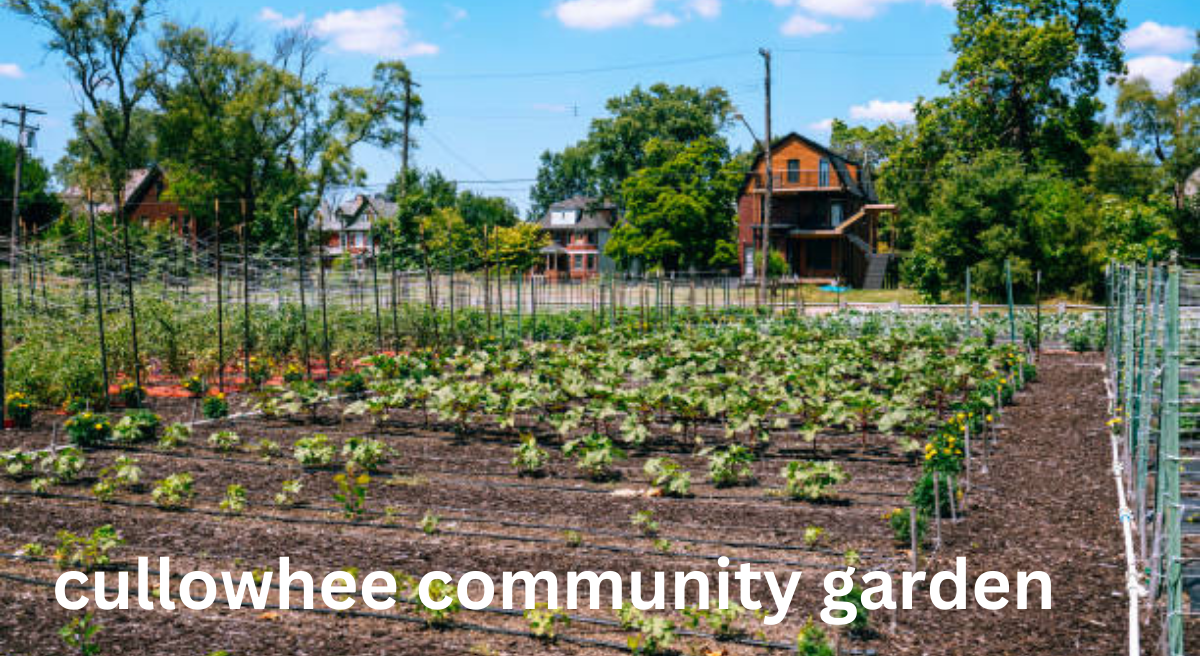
(824, 215)
(346, 229)
(579, 228)
(143, 201)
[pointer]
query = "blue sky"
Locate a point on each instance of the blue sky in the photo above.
(503, 81)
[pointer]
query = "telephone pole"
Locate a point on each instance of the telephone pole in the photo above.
(23, 132)
(766, 236)
(405, 144)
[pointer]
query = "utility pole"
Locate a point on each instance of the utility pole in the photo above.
(766, 236)
(22, 131)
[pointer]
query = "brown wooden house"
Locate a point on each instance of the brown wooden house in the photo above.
(143, 201)
(824, 215)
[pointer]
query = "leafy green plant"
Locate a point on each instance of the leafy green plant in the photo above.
(812, 641)
(19, 409)
(289, 494)
(730, 465)
(19, 464)
(351, 491)
(315, 451)
(214, 406)
(655, 636)
(438, 618)
(234, 502)
(430, 523)
(86, 553)
(725, 623)
(574, 539)
(174, 436)
(124, 473)
(88, 429)
(136, 426)
(267, 449)
(594, 455)
(900, 521)
(859, 625)
(644, 522)
(173, 492)
(194, 385)
(629, 617)
(80, 634)
(131, 395)
(812, 535)
(352, 384)
(365, 453)
(529, 459)
(811, 481)
(63, 466)
(545, 622)
(668, 477)
(224, 441)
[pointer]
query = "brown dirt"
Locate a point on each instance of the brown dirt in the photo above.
(1046, 504)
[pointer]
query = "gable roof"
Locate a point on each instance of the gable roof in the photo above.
(354, 214)
(593, 214)
(864, 188)
(136, 184)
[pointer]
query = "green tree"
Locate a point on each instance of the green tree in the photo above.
(679, 206)
(515, 249)
(39, 205)
(563, 175)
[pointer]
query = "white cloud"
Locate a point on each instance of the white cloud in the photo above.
(801, 25)
(1159, 71)
(269, 15)
(11, 71)
(896, 111)
(376, 31)
(1156, 38)
(823, 125)
(456, 14)
(608, 14)
(706, 8)
(379, 31)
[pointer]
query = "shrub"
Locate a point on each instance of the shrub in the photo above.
(529, 459)
(136, 426)
(293, 373)
(173, 492)
(353, 384)
(900, 522)
(811, 481)
(86, 553)
(668, 477)
(215, 406)
(88, 429)
(194, 385)
(730, 465)
(315, 451)
(260, 371)
(812, 641)
(18, 408)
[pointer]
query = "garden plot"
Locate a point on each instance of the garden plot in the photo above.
(662, 453)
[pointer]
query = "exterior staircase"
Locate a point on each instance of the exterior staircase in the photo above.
(877, 268)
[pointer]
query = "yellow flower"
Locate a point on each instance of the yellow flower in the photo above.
(98, 427)
(989, 419)
(929, 456)
(1114, 421)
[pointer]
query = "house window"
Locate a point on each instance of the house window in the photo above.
(823, 173)
(577, 262)
(793, 170)
(358, 239)
(591, 262)
(835, 214)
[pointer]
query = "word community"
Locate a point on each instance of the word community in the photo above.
(199, 590)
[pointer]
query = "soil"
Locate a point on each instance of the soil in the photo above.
(1047, 503)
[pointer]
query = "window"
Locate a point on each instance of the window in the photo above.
(835, 214)
(358, 239)
(823, 173)
(793, 170)
(577, 262)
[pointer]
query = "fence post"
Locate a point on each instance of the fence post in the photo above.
(375, 285)
(245, 297)
(220, 301)
(967, 303)
(1170, 474)
(1012, 319)
(303, 303)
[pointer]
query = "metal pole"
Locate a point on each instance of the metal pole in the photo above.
(303, 304)
(99, 295)
(1012, 319)
(967, 304)
(245, 296)
(324, 308)
(220, 303)
(766, 237)
(133, 332)
(375, 286)
(1170, 474)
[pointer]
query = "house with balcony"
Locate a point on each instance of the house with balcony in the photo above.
(579, 228)
(824, 215)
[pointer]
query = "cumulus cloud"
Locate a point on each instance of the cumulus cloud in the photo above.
(1158, 70)
(1152, 37)
(801, 25)
(896, 111)
(608, 14)
(11, 71)
(381, 31)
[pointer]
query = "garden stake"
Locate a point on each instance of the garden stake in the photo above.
(937, 512)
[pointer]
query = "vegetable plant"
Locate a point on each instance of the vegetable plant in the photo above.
(438, 618)
(214, 406)
(644, 522)
(289, 494)
(86, 552)
(80, 635)
(365, 453)
(315, 451)
(136, 426)
(234, 502)
(730, 465)
(544, 622)
(812, 641)
(174, 436)
(19, 409)
(430, 523)
(811, 481)
(351, 492)
(594, 455)
(724, 623)
(173, 492)
(88, 429)
(224, 441)
(668, 477)
(529, 459)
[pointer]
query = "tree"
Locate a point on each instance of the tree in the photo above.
(1167, 127)
(679, 206)
(516, 248)
(561, 176)
(616, 144)
(999, 208)
(39, 205)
